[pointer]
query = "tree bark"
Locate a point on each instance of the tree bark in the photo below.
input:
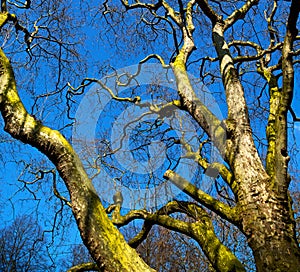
(266, 216)
(105, 243)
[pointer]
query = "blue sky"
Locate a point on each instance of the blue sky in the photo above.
(102, 56)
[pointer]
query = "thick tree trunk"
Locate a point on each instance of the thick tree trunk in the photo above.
(265, 211)
(269, 226)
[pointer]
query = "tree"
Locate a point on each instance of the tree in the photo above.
(257, 47)
(81, 260)
(22, 247)
(160, 254)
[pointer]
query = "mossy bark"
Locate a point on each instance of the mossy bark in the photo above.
(264, 210)
(105, 243)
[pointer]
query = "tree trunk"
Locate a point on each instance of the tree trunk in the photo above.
(265, 211)
(268, 223)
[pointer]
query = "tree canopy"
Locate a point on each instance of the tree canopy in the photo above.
(181, 114)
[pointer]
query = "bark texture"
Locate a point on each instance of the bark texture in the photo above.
(264, 209)
(266, 216)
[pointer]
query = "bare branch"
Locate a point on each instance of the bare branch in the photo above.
(261, 53)
(295, 118)
(172, 14)
(270, 20)
(209, 12)
(155, 56)
(281, 158)
(205, 199)
(201, 230)
(215, 167)
(296, 53)
(56, 192)
(84, 267)
(239, 13)
(155, 218)
(142, 5)
(141, 236)
(3, 6)
(26, 5)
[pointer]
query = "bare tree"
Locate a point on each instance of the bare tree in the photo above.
(22, 247)
(158, 251)
(240, 49)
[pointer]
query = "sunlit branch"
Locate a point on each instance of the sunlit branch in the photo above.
(213, 167)
(132, 77)
(296, 53)
(201, 230)
(189, 16)
(26, 5)
(84, 267)
(237, 113)
(280, 103)
(204, 117)
(155, 56)
(204, 234)
(203, 198)
(270, 20)
(245, 43)
(142, 5)
(273, 109)
(165, 110)
(276, 67)
(122, 220)
(87, 81)
(113, 96)
(239, 13)
(160, 217)
(260, 54)
(172, 14)
(287, 61)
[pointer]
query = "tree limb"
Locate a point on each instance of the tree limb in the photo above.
(218, 168)
(239, 13)
(84, 267)
(208, 201)
(201, 230)
(281, 179)
(209, 12)
(98, 233)
(141, 236)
